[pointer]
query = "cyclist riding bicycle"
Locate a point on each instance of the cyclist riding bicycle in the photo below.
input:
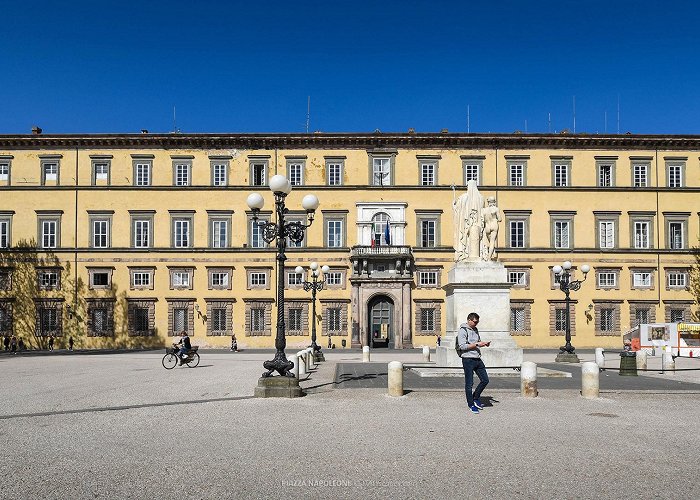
(185, 345)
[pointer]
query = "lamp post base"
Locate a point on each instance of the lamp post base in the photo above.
(318, 356)
(567, 357)
(278, 387)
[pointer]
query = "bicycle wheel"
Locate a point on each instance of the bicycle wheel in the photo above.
(194, 362)
(169, 361)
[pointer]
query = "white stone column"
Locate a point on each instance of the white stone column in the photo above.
(641, 360)
(302, 363)
(590, 383)
(528, 379)
(395, 379)
(667, 362)
(309, 358)
(365, 354)
(295, 368)
(600, 357)
(426, 354)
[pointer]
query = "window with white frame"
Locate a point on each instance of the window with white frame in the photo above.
(381, 171)
(334, 229)
(4, 233)
(219, 233)
(676, 235)
(334, 172)
(427, 173)
(4, 171)
(220, 279)
(181, 232)
(100, 171)
(142, 173)
(516, 174)
(181, 278)
(141, 279)
(640, 175)
(562, 230)
(334, 278)
(258, 279)
(295, 173)
(49, 233)
(561, 174)
(641, 279)
(219, 173)
(606, 234)
(427, 278)
(49, 279)
(256, 234)
(182, 174)
(50, 171)
(677, 279)
(605, 175)
(142, 233)
(471, 172)
(258, 173)
(100, 233)
(642, 233)
(294, 279)
(674, 175)
(607, 279)
(517, 278)
(427, 233)
(516, 232)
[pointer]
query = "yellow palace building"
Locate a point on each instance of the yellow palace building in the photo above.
(123, 240)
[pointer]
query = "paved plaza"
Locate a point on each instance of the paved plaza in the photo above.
(121, 426)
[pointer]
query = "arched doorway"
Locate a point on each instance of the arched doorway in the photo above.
(381, 322)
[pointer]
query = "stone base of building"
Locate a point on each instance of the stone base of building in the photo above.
(278, 387)
(483, 288)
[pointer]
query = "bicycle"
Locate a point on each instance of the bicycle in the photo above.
(191, 359)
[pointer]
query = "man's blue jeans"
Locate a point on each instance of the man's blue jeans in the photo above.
(470, 366)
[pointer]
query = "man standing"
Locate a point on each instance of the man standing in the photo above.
(468, 344)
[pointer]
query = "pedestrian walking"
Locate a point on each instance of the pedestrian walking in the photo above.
(234, 343)
(468, 347)
(70, 343)
(20, 345)
(439, 339)
(50, 342)
(13, 345)
(6, 342)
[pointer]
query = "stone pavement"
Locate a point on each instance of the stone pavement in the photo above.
(120, 426)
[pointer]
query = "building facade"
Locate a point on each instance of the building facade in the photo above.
(127, 239)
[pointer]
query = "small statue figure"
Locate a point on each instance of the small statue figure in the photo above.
(492, 216)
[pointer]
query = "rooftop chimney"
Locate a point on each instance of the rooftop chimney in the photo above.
(411, 130)
(144, 131)
(36, 130)
(444, 131)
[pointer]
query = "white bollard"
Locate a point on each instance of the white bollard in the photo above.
(395, 379)
(365, 354)
(590, 383)
(295, 368)
(302, 363)
(309, 359)
(600, 357)
(667, 362)
(426, 354)
(528, 379)
(641, 360)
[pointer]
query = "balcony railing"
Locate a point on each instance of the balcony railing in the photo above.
(382, 250)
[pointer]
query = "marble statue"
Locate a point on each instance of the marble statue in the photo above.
(475, 225)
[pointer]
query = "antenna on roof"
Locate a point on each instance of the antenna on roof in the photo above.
(468, 120)
(618, 113)
(606, 121)
(574, 114)
(308, 112)
(549, 122)
(175, 129)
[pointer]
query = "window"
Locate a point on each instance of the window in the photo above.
(561, 174)
(6, 318)
(181, 278)
(641, 317)
(179, 320)
(294, 279)
(100, 278)
(5, 279)
(675, 235)
(256, 234)
(516, 234)
(258, 171)
(605, 175)
(295, 172)
(674, 175)
(560, 319)
(427, 320)
(258, 278)
(333, 319)
(677, 279)
(257, 319)
(640, 175)
(334, 278)
(100, 171)
(141, 317)
(100, 318)
(5, 172)
(181, 224)
(49, 233)
(141, 233)
(334, 171)
(380, 221)
(100, 233)
(428, 173)
(5, 233)
(219, 233)
(218, 321)
(518, 278)
(219, 172)
(141, 279)
(606, 234)
(335, 233)
(641, 279)
(642, 234)
(48, 318)
(182, 173)
(427, 233)
(607, 279)
(676, 315)
(517, 319)
(49, 279)
(516, 174)
(219, 278)
(381, 171)
(561, 234)
(427, 278)
(49, 172)
(607, 319)
(294, 322)
(141, 322)
(471, 171)
(142, 172)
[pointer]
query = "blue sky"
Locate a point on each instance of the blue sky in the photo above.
(236, 67)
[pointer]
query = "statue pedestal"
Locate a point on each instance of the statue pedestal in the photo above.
(479, 287)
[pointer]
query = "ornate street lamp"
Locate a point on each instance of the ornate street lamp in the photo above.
(315, 285)
(287, 384)
(566, 285)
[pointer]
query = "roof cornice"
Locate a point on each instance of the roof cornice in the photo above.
(351, 141)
